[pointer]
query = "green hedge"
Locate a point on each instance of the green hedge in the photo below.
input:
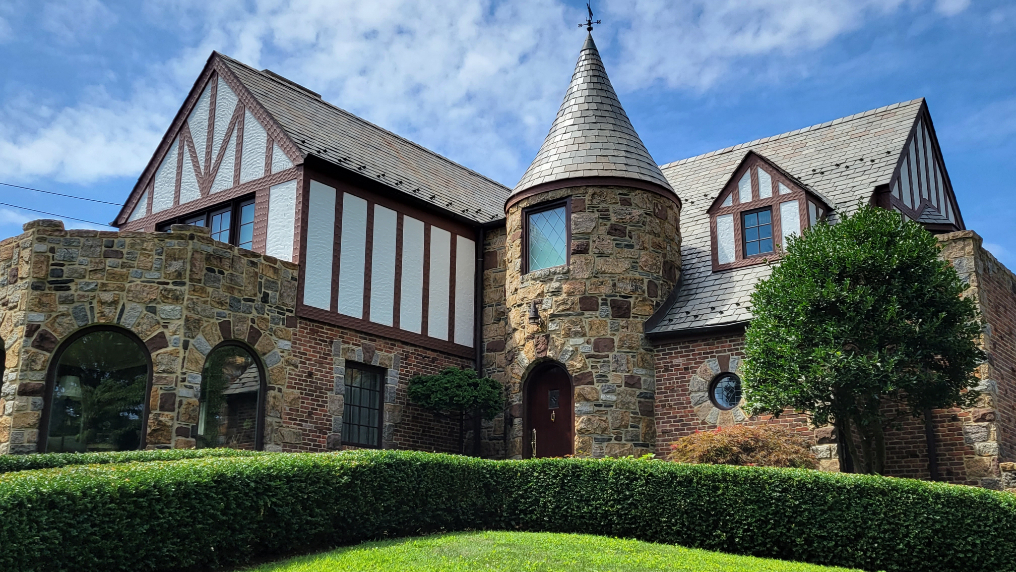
(202, 513)
(12, 463)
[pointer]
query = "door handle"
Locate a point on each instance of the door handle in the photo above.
(534, 443)
(552, 415)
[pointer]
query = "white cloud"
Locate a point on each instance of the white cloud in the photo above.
(6, 33)
(8, 216)
(477, 80)
(951, 7)
(992, 122)
(72, 20)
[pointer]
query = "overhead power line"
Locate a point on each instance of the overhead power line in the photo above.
(53, 214)
(59, 195)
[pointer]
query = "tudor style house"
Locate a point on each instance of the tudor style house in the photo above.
(283, 268)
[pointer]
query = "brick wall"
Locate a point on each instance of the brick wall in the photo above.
(323, 351)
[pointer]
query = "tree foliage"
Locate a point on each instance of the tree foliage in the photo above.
(746, 445)
(457, 390)
(858, 314)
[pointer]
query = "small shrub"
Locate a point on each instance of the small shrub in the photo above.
(760, 446)
(13, 463)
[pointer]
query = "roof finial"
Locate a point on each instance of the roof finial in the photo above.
(589, 21)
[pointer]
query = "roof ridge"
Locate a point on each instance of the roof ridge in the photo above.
(815, 127)
(355, 117)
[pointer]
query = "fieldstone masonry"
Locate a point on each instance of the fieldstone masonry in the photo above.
(180, 292)
(625, 259)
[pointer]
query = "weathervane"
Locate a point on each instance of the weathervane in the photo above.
(589, 21)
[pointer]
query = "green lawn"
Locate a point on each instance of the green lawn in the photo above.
(528, 552)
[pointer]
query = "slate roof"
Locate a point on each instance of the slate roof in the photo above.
(314, 124)
(591, 136)
(842, 160)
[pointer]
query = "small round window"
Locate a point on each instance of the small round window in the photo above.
(725, 391)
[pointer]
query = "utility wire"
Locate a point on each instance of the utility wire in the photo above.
(59, 195)
(54, 214)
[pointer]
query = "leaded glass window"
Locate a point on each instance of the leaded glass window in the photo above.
(758, 232)
(547, 238)
(726, 391)
(361, 409)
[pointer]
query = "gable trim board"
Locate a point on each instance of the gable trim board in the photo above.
(179, 130)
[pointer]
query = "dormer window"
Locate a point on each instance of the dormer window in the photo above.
(757, 211)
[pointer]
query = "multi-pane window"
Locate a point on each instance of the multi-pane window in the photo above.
(361, 410)
(219, 225)
(245, 238)
(232, 222)
(547, 238)
(758, 232)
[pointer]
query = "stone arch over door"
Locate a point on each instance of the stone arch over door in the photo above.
(548, 411)
(73, 369)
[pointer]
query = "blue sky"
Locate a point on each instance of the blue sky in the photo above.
(88, 87)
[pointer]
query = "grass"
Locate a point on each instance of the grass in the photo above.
(528, 552)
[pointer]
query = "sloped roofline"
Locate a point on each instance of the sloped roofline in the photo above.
(281, 80)
(748, 155)
(815, 127)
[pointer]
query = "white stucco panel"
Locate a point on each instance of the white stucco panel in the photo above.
(189, 189)
(411, 302)
(224, 176)
(465, 287)
(725, 239)
(280, 162)
(790, 220)
(352, 256)
(225, 103)
(382, 273)
(440, 283)
(252, 152)
(317, 283)
(197, 122)
(164, 189)
(765, 184)
(140, 209)
(282, 223)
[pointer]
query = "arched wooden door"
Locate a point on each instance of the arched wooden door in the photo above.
(549, 413)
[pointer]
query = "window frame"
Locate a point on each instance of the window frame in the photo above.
(751, 163)
(539, 208)
(262, 407)
(42, 441)
(234, 206)
(772, 231)
(716, 381)
(382, 373)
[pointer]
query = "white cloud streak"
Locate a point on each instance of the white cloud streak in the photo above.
(477, 80)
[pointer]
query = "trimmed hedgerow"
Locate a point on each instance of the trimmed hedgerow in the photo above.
(225, 511)
(13, 463)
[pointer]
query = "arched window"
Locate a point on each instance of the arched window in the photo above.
(232, 399)
(96, 395)
(725, 391)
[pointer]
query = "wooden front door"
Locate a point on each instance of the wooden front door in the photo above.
(549, 414)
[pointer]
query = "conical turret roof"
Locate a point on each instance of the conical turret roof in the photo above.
(591, 136)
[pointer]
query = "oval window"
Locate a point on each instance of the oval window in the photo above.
(231, 388)
(98, 398)
(726, 391)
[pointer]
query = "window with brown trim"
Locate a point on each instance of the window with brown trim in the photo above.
(546, 235)
(757, 211)
(231, 222)
(363, 406)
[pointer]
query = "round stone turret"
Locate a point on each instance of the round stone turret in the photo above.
(587, 315)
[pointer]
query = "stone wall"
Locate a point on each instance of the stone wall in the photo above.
(625, 259)
(322, 352)
(495, 327)
(180, 292)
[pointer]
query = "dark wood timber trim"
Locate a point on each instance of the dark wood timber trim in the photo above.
(336, 251)
(594, 181)
(453, 247)
(373, 328)
(425, 315)
(210, 200)
(238, 148)
(368, 261)
(300, 235)
(397, 295)
(181, 149)
(212, 95)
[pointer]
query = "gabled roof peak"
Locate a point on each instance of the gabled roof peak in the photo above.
(592, 136)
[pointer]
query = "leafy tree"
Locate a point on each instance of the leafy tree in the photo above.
(858, 314)
(458, 391)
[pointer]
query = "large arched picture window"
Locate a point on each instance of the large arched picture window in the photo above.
(232, 403)
(97, 388)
